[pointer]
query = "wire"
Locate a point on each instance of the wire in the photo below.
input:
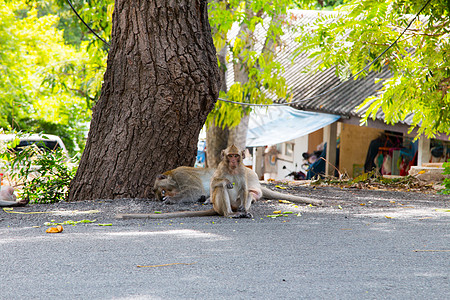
(81, 19)
(341, 83)
(253, 104)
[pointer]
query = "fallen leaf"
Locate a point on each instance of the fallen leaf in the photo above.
(69, 222)
(56, 229)
(284, 201)
(275, 216)
(280, 187)
(387, 217)
(277, 212)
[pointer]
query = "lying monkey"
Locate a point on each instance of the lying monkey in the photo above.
(183, 184)
(188, 184)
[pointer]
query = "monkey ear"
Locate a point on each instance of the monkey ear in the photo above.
(161, 176)
(243, 154)
(222, 154)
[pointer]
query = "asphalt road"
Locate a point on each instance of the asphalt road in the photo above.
(360, 245)
(324, 253)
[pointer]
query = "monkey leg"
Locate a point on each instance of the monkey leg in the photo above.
(221, 202)
(242, 207)
(256, 195)
(245, 201)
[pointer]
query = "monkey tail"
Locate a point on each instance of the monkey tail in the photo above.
(177, 214)
(269, 194)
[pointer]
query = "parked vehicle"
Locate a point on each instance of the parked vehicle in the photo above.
(43, 141)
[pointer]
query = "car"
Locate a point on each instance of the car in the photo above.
(43, 141)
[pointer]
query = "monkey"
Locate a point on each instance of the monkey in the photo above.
(230, 194)
(183, 184)
(8, 199)
(189, 184)
(180, 180)
(229, 185)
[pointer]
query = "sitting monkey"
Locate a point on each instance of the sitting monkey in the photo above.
(229, 185)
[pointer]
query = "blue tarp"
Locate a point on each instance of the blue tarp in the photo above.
(278, 124)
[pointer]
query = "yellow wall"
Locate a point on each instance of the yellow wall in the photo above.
(315, 139)
(354, 143)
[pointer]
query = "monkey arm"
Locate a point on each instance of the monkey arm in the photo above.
(187, 195)
(221, 182)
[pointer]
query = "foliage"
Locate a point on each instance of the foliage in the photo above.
(419, 61)
(47, 84)
(446, 182)
(44, 175)
(250, 31)
(374, 181)
(52, 66)
(318, 5)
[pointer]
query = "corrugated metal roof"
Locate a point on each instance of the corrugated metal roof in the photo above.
(342, 100)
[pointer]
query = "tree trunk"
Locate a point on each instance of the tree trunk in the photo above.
(216, 136)
(238, 134)
(160, 84)
(216, 141)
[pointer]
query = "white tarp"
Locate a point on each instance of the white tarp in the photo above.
(278, 124)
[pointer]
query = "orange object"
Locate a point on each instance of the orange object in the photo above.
(56, 229)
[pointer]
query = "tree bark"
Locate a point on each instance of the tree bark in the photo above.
(216, 136)
(160, 84)
(238, 134)
(216, 141)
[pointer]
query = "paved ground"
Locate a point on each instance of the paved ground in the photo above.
(395, 246)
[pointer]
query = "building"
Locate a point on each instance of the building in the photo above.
(328, 114)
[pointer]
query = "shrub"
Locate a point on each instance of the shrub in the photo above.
(41, 175)
(446, 190)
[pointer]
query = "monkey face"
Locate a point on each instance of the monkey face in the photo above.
(161, 193)
(233, 160)
(164, 186)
